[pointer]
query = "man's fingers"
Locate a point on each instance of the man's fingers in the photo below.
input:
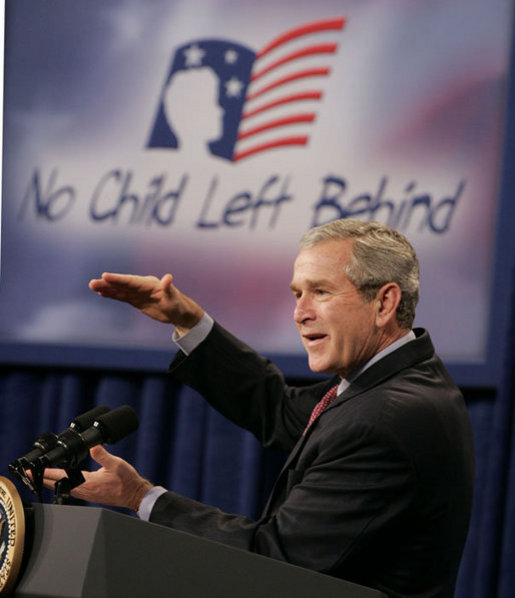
(166, 280)
(95, 284)
(109, 278)
(123, 280)
(166, 283)
(54, 474)
(102, 456)
(114, 276)
(51, 476)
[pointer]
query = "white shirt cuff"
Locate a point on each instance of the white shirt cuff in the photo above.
(148, 502)
(192, 339)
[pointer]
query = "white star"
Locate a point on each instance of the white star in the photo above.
(231, 56)
(194, 55)
(233, 87)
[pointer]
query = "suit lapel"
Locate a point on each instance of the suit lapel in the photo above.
(406, 356)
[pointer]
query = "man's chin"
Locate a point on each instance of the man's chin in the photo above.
(319, 367)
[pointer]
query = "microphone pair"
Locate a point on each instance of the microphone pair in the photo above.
(97, 426)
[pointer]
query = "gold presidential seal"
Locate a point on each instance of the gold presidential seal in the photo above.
(12, 535)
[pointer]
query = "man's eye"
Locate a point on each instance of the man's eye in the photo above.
(320, 292)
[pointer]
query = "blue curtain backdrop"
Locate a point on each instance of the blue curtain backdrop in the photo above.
(185, 445)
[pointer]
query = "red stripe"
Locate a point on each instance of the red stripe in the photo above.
(320, 72)
(309, 51)
(325, 25)
(309, 95)
(270, 145)
(280, 122)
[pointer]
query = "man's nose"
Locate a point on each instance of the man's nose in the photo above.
(303, 311)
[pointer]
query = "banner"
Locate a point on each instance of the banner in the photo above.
(204, 138)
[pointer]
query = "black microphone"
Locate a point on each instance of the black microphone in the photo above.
(43, 443)
(48, 440)
(84, 421)
(73, 446)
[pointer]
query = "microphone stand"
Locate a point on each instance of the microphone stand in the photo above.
(64, 486)
(35, 484)
(71, 447)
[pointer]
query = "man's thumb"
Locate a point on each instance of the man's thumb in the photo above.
(101, 455)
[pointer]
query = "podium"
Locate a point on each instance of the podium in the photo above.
(96, 553)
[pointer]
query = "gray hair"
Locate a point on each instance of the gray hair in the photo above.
(379, 255)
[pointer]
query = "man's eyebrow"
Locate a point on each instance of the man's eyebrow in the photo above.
(313, 284)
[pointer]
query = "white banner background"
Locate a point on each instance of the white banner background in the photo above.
(408, 131)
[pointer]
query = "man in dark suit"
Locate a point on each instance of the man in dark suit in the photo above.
(378, 485)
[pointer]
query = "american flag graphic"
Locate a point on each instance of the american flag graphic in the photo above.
(268, 99)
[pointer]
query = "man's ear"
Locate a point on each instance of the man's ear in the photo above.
(387, 300)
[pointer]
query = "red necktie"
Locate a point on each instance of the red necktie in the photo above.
(324, 402)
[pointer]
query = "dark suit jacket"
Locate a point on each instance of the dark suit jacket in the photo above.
(377, 492)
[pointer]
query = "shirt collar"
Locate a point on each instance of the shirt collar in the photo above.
(345, 382)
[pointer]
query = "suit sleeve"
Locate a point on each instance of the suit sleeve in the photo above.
(348, 497)
(336, 504)
(248, 389)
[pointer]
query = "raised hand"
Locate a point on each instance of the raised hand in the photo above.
(157, 298)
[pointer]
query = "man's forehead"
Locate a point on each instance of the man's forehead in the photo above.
(325, 253)
(321, 264)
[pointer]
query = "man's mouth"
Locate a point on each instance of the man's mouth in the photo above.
(313, 338)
